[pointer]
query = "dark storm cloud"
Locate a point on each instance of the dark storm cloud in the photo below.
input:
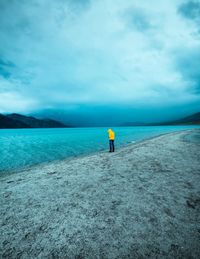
(188, 63)
(190, 9)
(6, 68)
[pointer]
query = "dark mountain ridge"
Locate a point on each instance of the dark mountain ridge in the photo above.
(15, 120)
(9, 123)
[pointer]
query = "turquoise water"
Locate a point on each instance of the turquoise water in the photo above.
(24, 147)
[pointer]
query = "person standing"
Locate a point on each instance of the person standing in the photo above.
(111, 136)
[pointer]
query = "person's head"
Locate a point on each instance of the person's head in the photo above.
(109, 130)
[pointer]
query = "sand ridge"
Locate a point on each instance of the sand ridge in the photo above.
(141, 201)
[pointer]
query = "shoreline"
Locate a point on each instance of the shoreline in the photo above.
(32, 167)
(141, 201)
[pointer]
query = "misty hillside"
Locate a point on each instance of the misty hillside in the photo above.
(21, 121)
(193, 119)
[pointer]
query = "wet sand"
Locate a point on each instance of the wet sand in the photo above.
(143, 201)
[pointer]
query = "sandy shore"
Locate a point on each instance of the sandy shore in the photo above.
(141, 201)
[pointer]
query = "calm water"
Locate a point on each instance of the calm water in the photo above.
(25, 147)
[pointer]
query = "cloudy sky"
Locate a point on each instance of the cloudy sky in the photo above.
(133, 59)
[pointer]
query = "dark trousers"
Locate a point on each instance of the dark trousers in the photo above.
(112, 146)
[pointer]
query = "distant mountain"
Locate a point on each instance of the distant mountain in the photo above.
(127, 124)
(189, 120)
(21, 121)
(193, 119)
(8, 123)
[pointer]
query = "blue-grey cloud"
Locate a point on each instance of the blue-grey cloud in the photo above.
(74, 54)
(188, 63)
(138, 19)
(190, 9)
(6, 68)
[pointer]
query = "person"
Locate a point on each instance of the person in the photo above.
(111, 136)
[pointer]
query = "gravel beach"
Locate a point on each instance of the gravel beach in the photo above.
(143, 201)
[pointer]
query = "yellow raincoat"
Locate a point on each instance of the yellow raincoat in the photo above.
(111, 134)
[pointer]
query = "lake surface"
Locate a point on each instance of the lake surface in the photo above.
(25, 147)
